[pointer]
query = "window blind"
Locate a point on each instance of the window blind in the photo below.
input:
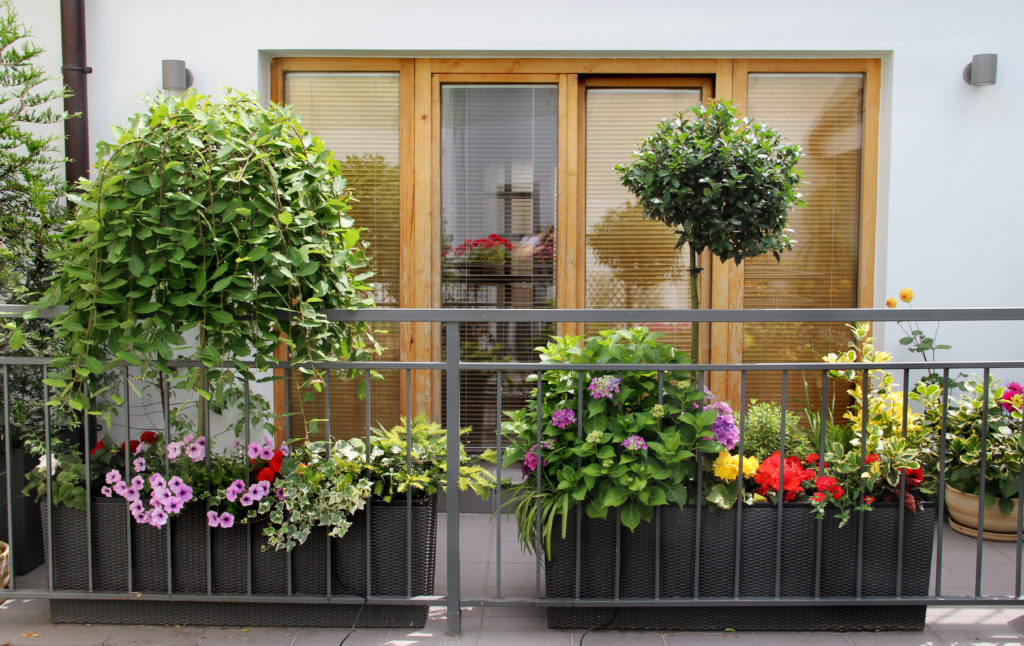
(499, 150)
(822, 113)
(357, 116)
(631, 263)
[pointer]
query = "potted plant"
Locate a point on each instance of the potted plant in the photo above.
(982, 414)
(720, 182)
(635, 475)
(488, 256)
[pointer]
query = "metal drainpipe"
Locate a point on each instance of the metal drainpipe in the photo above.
(74, 70)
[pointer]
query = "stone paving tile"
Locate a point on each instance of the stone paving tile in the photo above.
(249, 636)
(162, 635)
(707, 639)
(332, 636)
(618, 638)
(47, 634)
(926, 637)
(522, 638)
(771, 638)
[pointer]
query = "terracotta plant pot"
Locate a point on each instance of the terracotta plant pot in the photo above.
(963, 510)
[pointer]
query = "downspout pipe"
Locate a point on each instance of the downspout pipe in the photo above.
(74, 70)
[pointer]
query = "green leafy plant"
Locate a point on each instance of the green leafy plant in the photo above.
(390, 462)
(761, 431)
(213, 231)
(639, 450)
(721, 182)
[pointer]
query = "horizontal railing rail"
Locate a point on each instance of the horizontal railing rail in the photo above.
(452, 369)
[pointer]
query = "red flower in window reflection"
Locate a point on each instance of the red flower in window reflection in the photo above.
(492, 249)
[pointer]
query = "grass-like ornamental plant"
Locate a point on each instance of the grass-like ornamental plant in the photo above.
(722, 182)
(211, 230)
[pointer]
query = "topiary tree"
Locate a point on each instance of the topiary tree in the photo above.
(211, 231)
(722, 182)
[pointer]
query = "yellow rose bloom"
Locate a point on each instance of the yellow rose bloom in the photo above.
(906, 294)
(727, 467)
(890, 302)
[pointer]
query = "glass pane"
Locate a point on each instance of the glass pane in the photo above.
(356, 114)
(499, 150)
(822, 113)
(632, 263)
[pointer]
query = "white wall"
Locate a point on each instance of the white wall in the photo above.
(949, 214)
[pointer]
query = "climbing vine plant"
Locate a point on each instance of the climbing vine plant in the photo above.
(211, 231)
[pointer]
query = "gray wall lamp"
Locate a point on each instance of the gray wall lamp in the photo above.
(176, 77)
(981, 70)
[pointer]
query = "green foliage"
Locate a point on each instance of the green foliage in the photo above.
(31, 213)
(761, 431)
(212, 231)
(424, 469)
(596, 469)
(723, 183)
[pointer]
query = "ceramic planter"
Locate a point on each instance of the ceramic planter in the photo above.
(963, 511)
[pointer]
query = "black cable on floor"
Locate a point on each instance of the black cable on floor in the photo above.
(366, 600)
(599, 626)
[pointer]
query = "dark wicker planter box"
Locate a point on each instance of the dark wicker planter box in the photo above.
(26, 551)
(228, 572)
(757, 570)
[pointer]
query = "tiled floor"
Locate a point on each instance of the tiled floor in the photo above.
(28, 621)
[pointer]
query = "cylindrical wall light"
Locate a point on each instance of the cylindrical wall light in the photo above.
(176, 77)
(981, 70)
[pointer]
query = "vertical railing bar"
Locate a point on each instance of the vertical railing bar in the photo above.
(782, 493)
(539, 546)
(168, 550)
(246, 438)
(206, 460)
(368, 508)
(88, 485)
(128, 474)
(822, 434)
(497, 500)
(408, 490)
(940, 512)
(657, 510)
(47, 443)
(1020, 524)
(901, 504)
(287, 438)
(453, 378)
(327, 437)
(739, 488)
(579, 465)
(7, 474)
(618, 551)
(865, 389)
(981, 483)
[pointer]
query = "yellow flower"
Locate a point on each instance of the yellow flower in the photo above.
(890, 302)
(727, 467)
(906, 294)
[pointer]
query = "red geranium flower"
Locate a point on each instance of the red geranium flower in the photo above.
(132, 446)
(868, 500)
(99, 445)
(914, 477)
(266, 473)
(793, 476)
(275, 462)
(812, 458)
(819, 496)
(871, 458)
(149, 437)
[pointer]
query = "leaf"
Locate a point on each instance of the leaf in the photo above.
(285, 217)
(631, 516)
(136, 266)
(140, 187)
(17, 339)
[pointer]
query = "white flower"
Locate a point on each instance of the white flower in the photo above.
(48, 459)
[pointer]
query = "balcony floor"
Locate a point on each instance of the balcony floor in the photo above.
(27, 621)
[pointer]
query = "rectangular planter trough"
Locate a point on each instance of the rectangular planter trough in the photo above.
(229, 574)
(679, 577)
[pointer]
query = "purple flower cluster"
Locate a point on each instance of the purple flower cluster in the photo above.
(604, 387)
(724, 426)
(530, 459)
(224, 520)
(264, 450)
(193, 447)
(256, 492)
(634, 443)
(166, 497)
(563, 417)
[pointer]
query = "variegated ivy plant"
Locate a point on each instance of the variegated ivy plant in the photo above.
(211, 230)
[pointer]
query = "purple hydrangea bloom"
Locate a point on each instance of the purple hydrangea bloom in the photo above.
(604, 387)
(563, 417)
(634, 443)
(530, 459)
(724, 426)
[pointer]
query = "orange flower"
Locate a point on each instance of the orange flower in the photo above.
(906, 294)
(890, 302)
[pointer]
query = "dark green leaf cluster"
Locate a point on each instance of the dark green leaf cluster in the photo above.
(723, 183)
(592, 461)
(213, 231)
